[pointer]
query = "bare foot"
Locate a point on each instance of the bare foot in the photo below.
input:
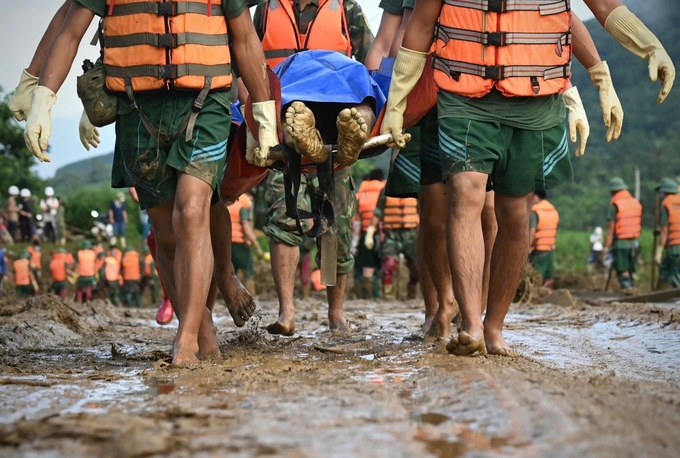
(337, 322)
(283, 326)
(441, 325)
(496, 344)
(183, 354)
(458, 321)
(427, 324)
(352, 134)
(466, 345)
(240, 303)
(301, 125)
(207, 338)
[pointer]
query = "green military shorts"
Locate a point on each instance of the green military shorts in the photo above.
(544, 262)
(519, 161)
(365, 257)
(624, 259)
(153, 171)
(278, 226)
(430, 163)
(669, 270)
(25, 290)
(242, 259)
(401, 241)
(58, 286)
(84, 282)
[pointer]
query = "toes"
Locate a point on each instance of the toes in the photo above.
(345, 115)
(298, 107)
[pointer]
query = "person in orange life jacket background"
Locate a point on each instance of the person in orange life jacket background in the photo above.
(669, 222)
(85, 267)
(543, 224)
(625, 226)
(478, 81)
(131, 270)
(24, 277)
(242, 239)
(36, 258)
(109, 275)
(59, 270)
(400, 220)
(367, 259)
(150, 274)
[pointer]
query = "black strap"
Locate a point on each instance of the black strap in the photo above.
(167, 40)
(168, 71)
(276, 53)
(166, 9)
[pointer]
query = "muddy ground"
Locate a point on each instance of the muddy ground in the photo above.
(94, 381)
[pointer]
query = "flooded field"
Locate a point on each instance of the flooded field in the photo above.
(95, 381)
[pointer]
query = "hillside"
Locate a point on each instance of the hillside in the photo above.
(94, 172)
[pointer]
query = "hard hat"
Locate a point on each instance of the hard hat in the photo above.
(61, 250)
(49, 192)
(13, 191)
(23, 254)
(617, 184)
(668, 186)
(598, 230)
(25, 193)
(86, 245)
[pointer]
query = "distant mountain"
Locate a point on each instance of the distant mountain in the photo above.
(92, 172)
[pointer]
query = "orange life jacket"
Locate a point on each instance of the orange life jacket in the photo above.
(131, 268)
(97, 249)
(116, 253)
(237, 235)
(400, 213)
(672, 204)
(546, 229)
(156, 44)
(522, 48)
(328, 31)
(149, 266)
(87, 263)
(36, 258)
(99, 262)
(22, 272)
(112, 269)
(368, 196)
(58, 267)
(628, 216)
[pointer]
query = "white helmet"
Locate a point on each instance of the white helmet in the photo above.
(598, 230)
(13, 191)
(49, 192)
(25, 193)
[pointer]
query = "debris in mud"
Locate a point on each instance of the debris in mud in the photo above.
(560, 297)
(530, 288)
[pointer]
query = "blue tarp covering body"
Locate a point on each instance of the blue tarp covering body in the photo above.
(325, 76)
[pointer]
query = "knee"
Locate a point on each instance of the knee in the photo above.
(192, 212)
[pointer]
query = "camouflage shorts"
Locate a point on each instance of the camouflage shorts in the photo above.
(401, 241)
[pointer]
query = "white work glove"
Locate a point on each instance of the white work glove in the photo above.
(658, 255)
(632, 34)
(39, 122)
(20, 103)
(251, 143)
(408, 66)
(609, 101)
(89, 134)
(265, 115)
(369, 240)
(576, 117)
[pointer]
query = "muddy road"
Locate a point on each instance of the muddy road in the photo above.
(94, 381)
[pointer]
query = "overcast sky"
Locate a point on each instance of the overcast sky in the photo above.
(21, 27)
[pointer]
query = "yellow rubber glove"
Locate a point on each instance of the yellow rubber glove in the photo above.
(369, 240)
(39, 122)
(658, 255)
(89, 134)
(408, 66)
(265, 115)
(251, 143)
(20, 103)
(609, 101)
(577, 120)
(633, 35)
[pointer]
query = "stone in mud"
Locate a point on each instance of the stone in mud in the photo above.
(560, 297)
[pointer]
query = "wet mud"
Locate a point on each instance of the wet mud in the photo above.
(94, 380)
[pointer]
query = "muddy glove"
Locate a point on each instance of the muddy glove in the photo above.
(39, 122)
(576, 117)
(632, 34)
(20, 103)
(408, 66)
(609, 101)
(251, 143)
(658, 255)
(89, 134)
(369, 240)
(266, 116)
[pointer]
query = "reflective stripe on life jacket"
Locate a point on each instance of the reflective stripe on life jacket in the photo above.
(328, 31)
(672, 204)
(87, 261)
(58, 267)
(628, 216)
(112, 269)
(130, 266)
(400, 213)
(22, 272)
(237, 235)
(156, 44)
(546, 229)
(368, 196)
(521, 47)
(36, 258)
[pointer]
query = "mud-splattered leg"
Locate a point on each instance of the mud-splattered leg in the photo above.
(284, 265)
(336, 299)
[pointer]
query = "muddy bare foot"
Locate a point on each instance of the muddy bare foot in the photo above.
(207, 339)
(184, 354)
(282, 327)
(301, 125)
(496, 345)
(427, 325)
(466, 345)
(441, 324)
(458, 321)
(240, 303)
(337, 322)
(352, 134)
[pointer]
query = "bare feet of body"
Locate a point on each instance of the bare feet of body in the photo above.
(441, 324)
(301, 126)
(184, 353)
(466, 344)
(283, 326)
(352, 134)
(496, 344)
(240, 303)
(337, 322)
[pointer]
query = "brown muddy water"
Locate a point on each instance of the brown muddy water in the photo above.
(94, 381)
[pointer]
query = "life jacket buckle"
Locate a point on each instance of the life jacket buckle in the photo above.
(167, 40)
(167, 9)
(496, 6)
(495, 38)
(166, 72)
(494, 72)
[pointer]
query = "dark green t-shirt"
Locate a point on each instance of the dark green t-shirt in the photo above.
(392, 6)
(533, 220)
(611, 216)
